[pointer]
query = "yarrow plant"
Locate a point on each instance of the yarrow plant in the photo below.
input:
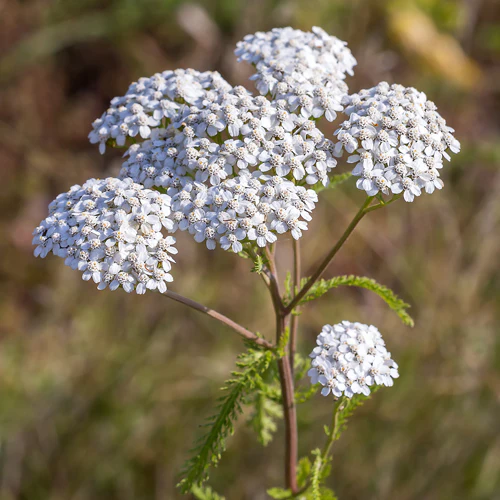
(242, 172)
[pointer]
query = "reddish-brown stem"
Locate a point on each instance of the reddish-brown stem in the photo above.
(291, 439)
(294, 322)
(286, 381)
(273, 277)
(220, 317)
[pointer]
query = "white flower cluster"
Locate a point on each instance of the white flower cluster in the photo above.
(242, 208)
(397, 140)
(150, 102)
(305, 69)
(349, 358)
(235, 168)
(110, 230)
(253, 135)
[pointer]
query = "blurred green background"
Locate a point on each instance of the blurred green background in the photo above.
(101, 394)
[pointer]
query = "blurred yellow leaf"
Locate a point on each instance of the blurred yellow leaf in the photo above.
(418, 35)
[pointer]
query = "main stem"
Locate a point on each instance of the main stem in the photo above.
(326, 261)
(290, 415)
(286, 381)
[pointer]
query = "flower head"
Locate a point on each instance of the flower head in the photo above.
(396, 139)
(306, 69)
(241, 209)
(151, 101)
(231, 135)
(350, 358)
(111, 231)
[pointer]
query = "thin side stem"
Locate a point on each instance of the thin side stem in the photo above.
(220, 317)
(333, 432)
(294, 322)
(383, 203)
(326, 261)
(327, 446)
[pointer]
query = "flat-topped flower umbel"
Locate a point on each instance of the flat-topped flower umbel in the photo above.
(350, 358)
(397, 140)
(111, 231)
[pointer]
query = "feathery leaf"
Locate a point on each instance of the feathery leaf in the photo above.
(258, 264)
(391, 299)
(212, 444)
(266, 411)
(279, 493)
(205, 493)
(315, 493)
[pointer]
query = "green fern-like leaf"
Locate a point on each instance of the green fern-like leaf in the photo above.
(303, 471)
(266, 412)
(306, 394)
(205, 493)
(315, 493)
(282, 347)
(327, 494)
(258, 264)
(391, 299)
(287, 296)
(279, 493)
(220, 426)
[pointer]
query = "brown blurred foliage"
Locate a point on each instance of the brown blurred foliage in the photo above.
(101, 393)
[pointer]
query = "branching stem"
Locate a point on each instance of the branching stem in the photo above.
(291, 438)
(326, 261)
(286, 381)
(285, 363)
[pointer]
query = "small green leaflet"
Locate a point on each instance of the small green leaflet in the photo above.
(279, 493)
(391, 299)
(258, 265)
(266, 412)
(306, 394)
(303, 471)
(316, 475)
(205, 493)
(287, 296)
(281, 348)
